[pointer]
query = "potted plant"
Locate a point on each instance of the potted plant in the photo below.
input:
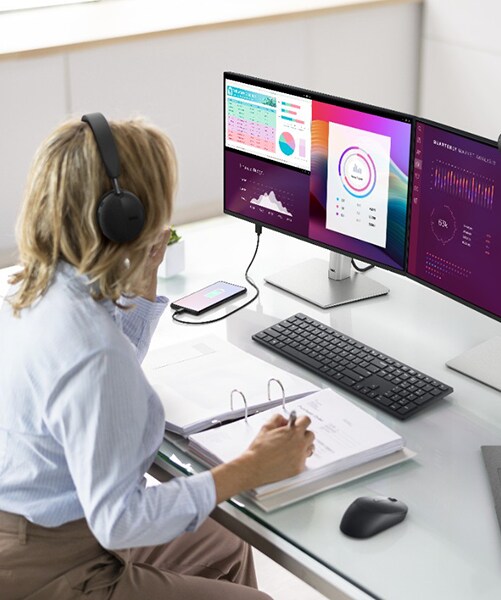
(173, 262)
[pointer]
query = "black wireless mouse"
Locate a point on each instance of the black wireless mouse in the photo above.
(367, 516)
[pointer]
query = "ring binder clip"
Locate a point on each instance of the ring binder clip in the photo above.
(270, 381)
(246, 414)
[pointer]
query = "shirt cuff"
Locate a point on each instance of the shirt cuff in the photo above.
(139, 323)
(148, 310)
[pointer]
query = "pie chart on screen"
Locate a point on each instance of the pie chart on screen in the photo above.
(287, 143)
(357, 172)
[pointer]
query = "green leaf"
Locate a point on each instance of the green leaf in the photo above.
(174, 237)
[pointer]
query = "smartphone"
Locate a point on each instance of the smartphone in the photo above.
(209, 297)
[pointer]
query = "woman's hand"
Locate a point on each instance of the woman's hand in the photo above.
(277, 452)
(155, 258)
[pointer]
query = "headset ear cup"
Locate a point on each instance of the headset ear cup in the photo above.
(121, 216)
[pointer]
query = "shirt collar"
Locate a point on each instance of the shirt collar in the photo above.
(81, 282)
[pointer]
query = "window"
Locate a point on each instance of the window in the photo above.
(10, 5)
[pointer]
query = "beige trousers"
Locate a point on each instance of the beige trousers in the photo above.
(67, 563)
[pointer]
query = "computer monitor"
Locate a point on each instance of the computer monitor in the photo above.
(323, 169)
(455, 229)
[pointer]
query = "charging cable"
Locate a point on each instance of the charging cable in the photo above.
(247, 278)
(360, 269)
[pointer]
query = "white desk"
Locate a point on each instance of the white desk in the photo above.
(449, 546)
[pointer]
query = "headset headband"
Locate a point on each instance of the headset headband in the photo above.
(105, 143)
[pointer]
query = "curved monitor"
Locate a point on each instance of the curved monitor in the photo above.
(323, 169)
(456, 216)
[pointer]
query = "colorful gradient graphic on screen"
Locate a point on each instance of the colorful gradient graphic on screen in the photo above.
(456, 216)
(333, 175)
(390, 249)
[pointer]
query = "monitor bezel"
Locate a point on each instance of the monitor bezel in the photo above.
(475, 138)
(344, 103)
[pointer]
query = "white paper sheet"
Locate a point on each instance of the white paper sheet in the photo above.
(194, 382)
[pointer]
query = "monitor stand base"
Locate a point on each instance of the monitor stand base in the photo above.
(310, 281)
(481, 363)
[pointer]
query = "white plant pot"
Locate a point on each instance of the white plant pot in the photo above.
(174, 260)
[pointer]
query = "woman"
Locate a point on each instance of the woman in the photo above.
(79, 424)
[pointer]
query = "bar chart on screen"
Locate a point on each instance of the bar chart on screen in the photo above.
(463, 184)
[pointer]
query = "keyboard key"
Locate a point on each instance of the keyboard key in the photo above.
(361, 371)
(423, 399)
(352, 375)
(300, 356)
(384, 401)
(403, 410)
(274, 333)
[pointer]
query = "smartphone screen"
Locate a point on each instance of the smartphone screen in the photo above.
(208, 297)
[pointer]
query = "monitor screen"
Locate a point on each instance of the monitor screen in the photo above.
(456, 216)
(327, 170)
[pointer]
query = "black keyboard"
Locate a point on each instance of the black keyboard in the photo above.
(387, 383)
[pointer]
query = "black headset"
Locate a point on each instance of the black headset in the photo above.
(120, 213)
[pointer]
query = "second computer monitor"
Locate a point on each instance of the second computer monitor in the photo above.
(327, 170)
(455, 225)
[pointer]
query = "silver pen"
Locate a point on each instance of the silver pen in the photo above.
(292, 419)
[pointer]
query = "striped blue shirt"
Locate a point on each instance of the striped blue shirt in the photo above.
(79, 423)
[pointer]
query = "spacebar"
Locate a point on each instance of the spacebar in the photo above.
(304, 358)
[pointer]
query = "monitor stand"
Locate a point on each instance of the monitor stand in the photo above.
(481, 363)
(327, 285)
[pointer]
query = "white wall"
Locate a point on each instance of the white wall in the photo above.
(461, 66)
(32, 102)
(176, 80)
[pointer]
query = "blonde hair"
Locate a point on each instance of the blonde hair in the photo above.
(58, 219)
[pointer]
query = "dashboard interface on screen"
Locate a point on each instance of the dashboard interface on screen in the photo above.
(323, 169)
(456, 216)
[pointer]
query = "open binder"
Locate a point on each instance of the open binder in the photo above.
(349, 444)
(194, 381)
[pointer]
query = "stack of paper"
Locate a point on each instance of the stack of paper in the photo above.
(195, 381)
(349, 443)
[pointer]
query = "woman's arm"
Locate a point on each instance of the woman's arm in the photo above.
(157, 253)
(139, 323)
(110, 424)
(276, 453)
